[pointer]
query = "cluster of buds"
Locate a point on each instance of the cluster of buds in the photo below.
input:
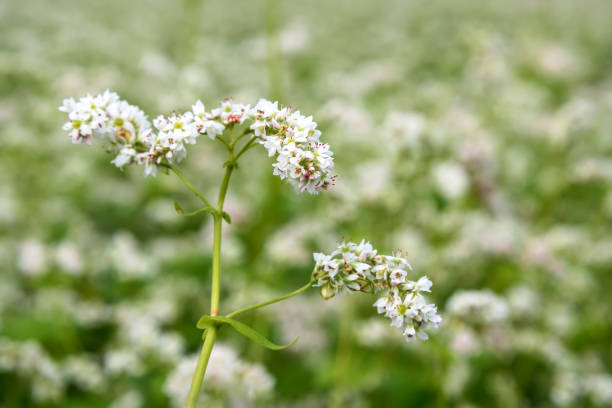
(358, 268)
(287, 135)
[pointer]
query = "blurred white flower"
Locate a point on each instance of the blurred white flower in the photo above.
(524, 302)
(222, 366)
(170, 347)
(290, 244)
(566, 389)
(256, 380)
(122, 361)
(30, 361)
(225, 373)
(451, 179)
(465, 342)
(599, 388)
(84, 372)
(32, 257)
(373, 333)
(157, 64)
(356, 120)
(481, 306)
(178, 381)
(404, 129)
(68, 258)
(294, 38)
(372, 178)
(456, 377)
(127, 258)
(303, 315)
(129, 399)
(557, 61)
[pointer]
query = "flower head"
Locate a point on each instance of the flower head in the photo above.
(121, 127)
(292, 138)
(358, 268)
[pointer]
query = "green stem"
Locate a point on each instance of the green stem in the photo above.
(244, 133)
(216, 267)
(224, 184)
(246, 147)
(219, 138)
(198, 376)
(179, 174)
(269, 302)
(211, 334)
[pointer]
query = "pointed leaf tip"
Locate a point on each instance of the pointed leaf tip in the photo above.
(227, 217)
(206, 322)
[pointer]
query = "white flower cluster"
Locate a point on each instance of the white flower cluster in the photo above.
(358, 267)
(290, 137)
(120, 126)
(293, 139)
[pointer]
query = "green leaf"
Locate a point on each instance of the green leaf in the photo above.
(232, 163)
(227, 217)
(207, 322)
(182, 213)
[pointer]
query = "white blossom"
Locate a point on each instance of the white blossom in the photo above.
(358, 267)
(121, 127)
(287, 135)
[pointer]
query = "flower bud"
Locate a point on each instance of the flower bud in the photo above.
(327, 292)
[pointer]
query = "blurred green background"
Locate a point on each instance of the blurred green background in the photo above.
(475, 135)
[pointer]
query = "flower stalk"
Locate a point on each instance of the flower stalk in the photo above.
(271, 301)
(211, 333)
(190, 186)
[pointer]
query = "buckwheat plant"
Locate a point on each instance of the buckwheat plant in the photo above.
(300, 159)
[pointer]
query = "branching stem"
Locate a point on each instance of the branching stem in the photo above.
(211, 333)
(180, 175)
(275, 300)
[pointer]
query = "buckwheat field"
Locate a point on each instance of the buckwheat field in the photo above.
(311, 204)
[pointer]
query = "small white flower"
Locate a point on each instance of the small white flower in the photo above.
(422, 285)
(398, 276)
(125, 156)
